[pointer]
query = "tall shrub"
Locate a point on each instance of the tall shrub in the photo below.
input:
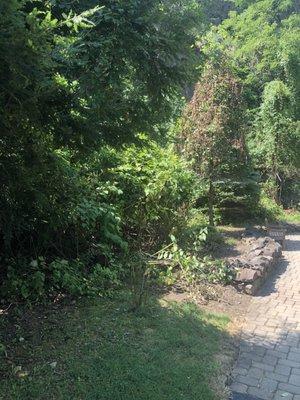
(275, 143)
(213, 137)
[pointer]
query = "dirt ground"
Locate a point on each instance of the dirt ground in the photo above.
(223, 300)
(218, 298)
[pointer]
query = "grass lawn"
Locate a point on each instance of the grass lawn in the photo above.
(100, 350)
(293, 217)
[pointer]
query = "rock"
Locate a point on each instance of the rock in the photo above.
(273, 249)
(269, 252)
(262, 261)
(253, 268)
(278, 249)
(259, 244)
(238, 263)
(249, 289)
(247, 275)
(255, 253)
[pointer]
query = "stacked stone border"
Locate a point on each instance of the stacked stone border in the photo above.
(253, 267)
(268, 364)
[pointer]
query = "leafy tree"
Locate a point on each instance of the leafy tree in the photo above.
(261, 43)
(131, 66)
(276, 142)
(212, 134)
(74, 77)
(215, 11)
(158, 191)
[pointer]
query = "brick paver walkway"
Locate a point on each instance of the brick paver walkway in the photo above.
(268, 366)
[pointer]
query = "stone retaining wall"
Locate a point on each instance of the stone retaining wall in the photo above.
(255, 265)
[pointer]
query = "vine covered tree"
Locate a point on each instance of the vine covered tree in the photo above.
(213, 136)
(275, 144)
(261, 43)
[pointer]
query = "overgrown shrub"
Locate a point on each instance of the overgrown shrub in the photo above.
(158, 191)
(76, 87)
(122, 203)
(267, 208)
(190, 267)
(213, 139)
(36, 280)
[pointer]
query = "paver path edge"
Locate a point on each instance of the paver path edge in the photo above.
(268, 365)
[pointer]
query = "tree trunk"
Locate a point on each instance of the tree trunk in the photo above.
(211, 203)
(275, 168)
(280, 188)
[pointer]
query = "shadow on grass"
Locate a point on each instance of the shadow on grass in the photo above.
(101, 351)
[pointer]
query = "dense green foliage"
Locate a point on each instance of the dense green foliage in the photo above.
(261, 44)
(91, 98)
(213, 136)
(275, 141)
(76, 86)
